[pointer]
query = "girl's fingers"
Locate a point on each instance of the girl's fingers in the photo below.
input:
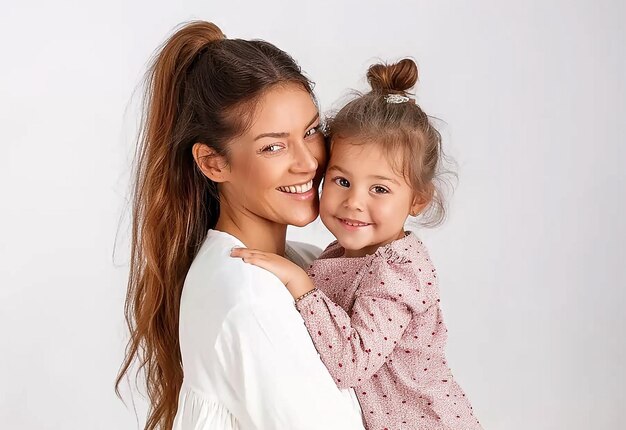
(247, 254)
(238, 252)
(256, 259)
(269, 262)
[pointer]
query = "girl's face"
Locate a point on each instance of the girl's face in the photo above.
(364, 203)
(275, 168)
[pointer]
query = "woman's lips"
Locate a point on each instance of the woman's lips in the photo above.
(297, 188)
(293, 193)
(308, 195)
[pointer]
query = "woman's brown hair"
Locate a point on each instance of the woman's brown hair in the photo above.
(201, 88)
(400, 126)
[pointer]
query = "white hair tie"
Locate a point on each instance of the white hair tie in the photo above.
(396, 98)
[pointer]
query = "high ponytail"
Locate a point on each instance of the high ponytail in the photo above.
(201, 88)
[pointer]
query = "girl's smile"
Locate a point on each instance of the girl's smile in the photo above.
(365, 202)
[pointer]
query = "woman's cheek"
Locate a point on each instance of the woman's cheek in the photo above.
(319, 152)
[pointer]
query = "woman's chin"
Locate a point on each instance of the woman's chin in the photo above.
(301, 222)
(302, 218)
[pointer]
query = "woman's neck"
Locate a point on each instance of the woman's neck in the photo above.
(255, 232)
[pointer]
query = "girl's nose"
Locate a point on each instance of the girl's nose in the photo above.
(353, 201)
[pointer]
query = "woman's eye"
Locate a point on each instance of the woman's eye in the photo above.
(271, 148)
(380, 190)
(312, 131)
(342, 182)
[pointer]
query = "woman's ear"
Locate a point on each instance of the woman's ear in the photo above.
(213, 165)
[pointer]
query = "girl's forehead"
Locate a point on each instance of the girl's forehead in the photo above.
(355, 147)
(362, 159)
(354, 150)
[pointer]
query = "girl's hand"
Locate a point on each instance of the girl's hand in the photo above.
(295, 279)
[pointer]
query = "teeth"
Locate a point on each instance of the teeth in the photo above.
(297, 189)
(352, 224)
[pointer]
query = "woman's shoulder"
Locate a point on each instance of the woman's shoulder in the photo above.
(224, 293)
(302, 253)
(215, 275)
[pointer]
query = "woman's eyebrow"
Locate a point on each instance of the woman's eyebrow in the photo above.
(275, 135)
(317, 115)
(283, 134)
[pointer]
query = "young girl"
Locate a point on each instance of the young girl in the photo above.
(371, 300)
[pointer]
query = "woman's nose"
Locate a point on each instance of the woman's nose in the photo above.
(304, 160)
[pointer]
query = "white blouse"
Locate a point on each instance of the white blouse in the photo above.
(248, 360)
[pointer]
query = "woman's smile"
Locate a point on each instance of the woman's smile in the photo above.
(298, 188)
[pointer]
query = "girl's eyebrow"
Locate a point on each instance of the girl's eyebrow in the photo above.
(283, 134)
(335, 167)
(384, 178)
(345, 172)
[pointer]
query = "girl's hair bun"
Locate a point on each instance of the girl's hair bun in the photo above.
(395, 78)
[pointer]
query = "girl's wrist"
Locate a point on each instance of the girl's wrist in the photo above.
(303, 296)
(299, 287)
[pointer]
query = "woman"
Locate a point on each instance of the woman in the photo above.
(231, 153)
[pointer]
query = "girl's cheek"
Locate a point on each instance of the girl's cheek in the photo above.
(328, 201)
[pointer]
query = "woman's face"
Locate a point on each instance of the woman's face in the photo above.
(275, 167)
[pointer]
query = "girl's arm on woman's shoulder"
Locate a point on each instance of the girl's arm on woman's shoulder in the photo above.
(353, 347)
(273, 368)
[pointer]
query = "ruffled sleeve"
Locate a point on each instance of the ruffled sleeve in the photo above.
(197, 412)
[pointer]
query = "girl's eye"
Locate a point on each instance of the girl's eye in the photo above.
(342, 182)
(312, 131)
(380, 190)
(271, 148)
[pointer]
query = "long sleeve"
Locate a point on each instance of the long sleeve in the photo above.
(275, 374)
(354, 346)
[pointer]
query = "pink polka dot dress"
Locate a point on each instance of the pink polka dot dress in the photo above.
(376, 322)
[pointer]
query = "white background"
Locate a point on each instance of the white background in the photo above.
(531, 259)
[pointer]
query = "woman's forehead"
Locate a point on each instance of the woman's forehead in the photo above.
(283, 109)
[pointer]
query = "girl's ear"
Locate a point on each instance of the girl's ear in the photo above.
(213, 165)
(421, 200)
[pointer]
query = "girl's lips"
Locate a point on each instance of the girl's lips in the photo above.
(352, 225)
